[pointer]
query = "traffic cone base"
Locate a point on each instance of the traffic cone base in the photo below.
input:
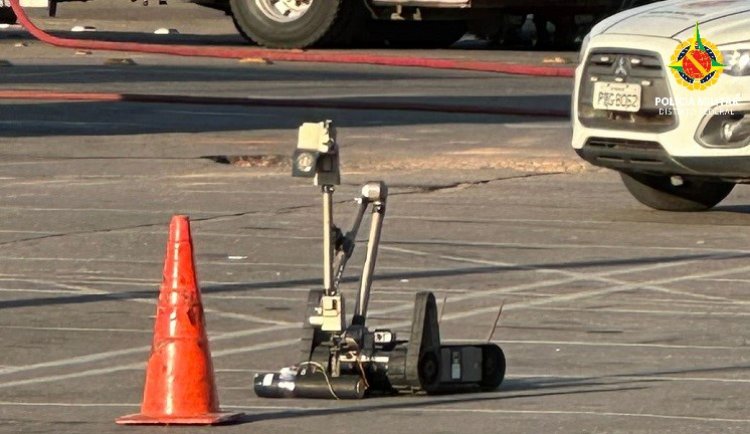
(205, 419)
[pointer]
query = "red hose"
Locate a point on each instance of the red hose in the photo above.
(53, 95)
(289, 56)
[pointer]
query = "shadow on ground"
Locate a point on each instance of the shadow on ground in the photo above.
(107, 118)
(424, 402)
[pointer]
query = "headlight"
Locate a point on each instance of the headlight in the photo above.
(737, 62)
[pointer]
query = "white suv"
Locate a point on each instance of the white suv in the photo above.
(662, 95)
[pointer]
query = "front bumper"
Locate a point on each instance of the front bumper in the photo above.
(650, 157)
(662, 139)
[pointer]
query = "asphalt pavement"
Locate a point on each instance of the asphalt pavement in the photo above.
(617, 318)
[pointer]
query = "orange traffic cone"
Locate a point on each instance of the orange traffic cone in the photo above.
(180, 387)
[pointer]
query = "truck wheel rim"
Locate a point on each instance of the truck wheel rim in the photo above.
(284, 11)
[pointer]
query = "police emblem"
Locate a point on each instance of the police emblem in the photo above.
(697, 63)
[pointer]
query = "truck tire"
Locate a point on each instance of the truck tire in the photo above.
(658, 192)
(297, 23)
(7, 16)
(242, 33)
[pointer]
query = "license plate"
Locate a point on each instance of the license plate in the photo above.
(621, 97)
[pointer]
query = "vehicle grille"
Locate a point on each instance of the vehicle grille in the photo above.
(641, 67)
(623, 144)
(624, 154)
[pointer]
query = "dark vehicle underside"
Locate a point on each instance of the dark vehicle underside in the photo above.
(556, 24)
(416, 23)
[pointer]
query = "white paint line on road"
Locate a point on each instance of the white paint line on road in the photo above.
(377, 301)
(66, 404)
(705, 314)
(454, 220)
(634, 377)
(138, 261)
(40, 291)
(95, 357)
(199, 261)
(585, 294)
(614, 344)
(118, 353)
(155, 285)
(130, 366)
(407, 287)
(75, 329)
(246, 317)
(575, 274)
(76, 289)
(79, 374)
(449, 243)
(577, 222)
(115, 210)
(574, 413)
(719, 303)
(416, 409)
(88, 372)
(243, 297)
(727, 280)
(459, 315)
(571, 277)
(271, 345)
(119, 280)
(640, 248)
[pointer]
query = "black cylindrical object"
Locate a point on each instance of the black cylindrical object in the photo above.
(310, 385)
(271, 385)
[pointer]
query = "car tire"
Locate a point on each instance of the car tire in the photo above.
(323, 23)
(658, 192)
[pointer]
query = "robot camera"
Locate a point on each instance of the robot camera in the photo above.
(317, 154)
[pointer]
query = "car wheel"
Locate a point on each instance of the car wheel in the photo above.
(659, 192)
(296, 23)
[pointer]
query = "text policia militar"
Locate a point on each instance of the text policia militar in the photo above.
(701, 104)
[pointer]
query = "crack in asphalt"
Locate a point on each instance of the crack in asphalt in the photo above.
(286, 210)
(123, 228)
(468, 184)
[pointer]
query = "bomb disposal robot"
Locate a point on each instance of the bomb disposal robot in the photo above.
(340, 356)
